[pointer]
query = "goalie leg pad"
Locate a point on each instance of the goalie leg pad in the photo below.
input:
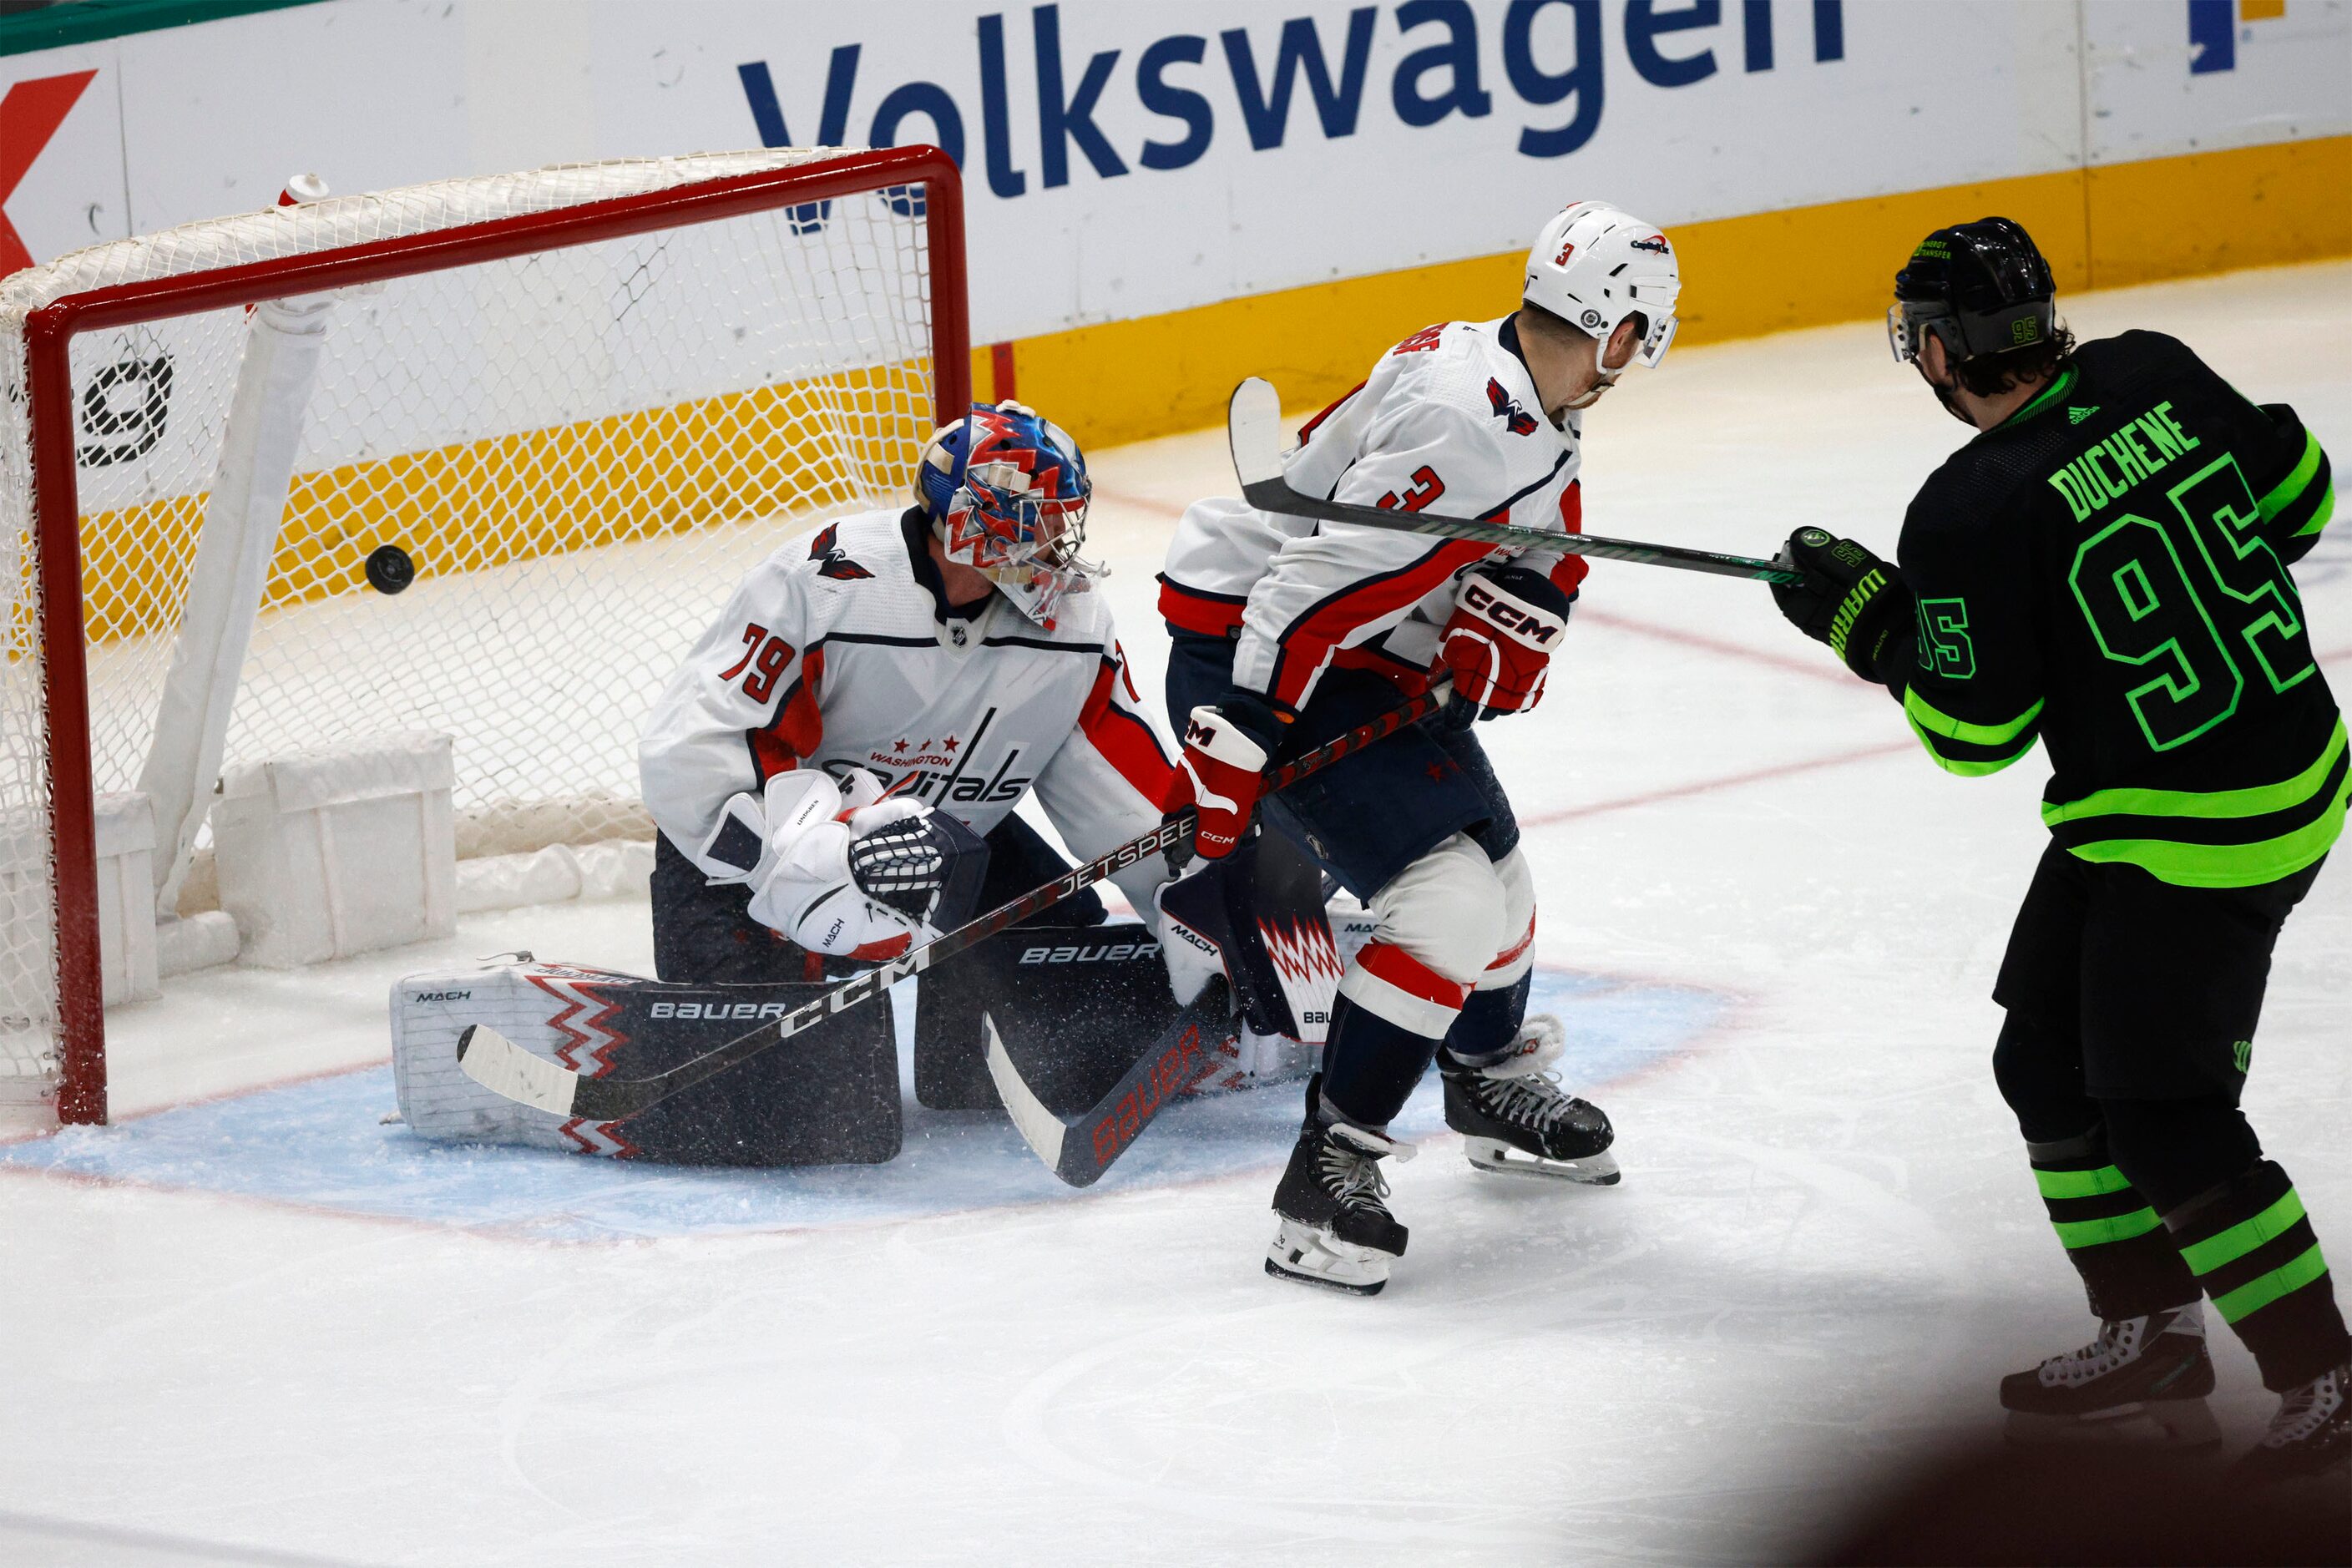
(1261, 907)
(828, 1097)
(1075, 1005)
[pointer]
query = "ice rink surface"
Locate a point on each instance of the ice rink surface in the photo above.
(255, 1327)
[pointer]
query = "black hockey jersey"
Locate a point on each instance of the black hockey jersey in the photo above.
(2108, 570)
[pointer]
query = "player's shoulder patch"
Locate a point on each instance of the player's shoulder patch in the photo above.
(1516, 419)
(826, 550)
(858, 548)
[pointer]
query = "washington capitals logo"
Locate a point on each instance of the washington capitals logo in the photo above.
(826, 550)
(1655, 244)
(1507, 410)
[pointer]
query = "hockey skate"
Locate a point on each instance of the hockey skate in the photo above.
(1517, 1121)
(1335, 1227)
(2143, 1381)
(2310, 1435)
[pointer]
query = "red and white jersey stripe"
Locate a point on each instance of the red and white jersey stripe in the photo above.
(834, 652)
(1448, 421)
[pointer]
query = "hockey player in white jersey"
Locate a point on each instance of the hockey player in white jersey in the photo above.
(1286, 632)
(867, 691)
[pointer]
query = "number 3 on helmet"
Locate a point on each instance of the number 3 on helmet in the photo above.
(1595, 265)
(1006, 491)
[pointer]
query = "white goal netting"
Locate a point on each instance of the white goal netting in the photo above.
(580, 449)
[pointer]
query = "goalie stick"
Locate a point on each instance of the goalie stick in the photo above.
(1254, 427)
(498, 1063)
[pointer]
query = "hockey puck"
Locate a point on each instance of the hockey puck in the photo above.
(389, 569)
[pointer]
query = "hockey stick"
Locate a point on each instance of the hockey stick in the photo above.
(498, 1063)
(1080, 1152)
(1253, 427)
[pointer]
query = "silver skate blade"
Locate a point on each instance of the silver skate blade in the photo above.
(1494, 1154)
(2143, 1423)
(1301, 1252)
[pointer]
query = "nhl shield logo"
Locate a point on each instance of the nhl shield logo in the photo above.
(957, 635)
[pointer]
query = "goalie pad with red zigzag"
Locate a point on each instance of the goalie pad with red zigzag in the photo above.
(1262, 906)
(832, 1102)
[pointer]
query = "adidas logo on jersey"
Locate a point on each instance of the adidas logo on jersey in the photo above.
(1506, 409)
(2076, 415)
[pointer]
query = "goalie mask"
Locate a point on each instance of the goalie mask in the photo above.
(1006, 492)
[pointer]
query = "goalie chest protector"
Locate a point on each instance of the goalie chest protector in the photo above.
(827, 1097)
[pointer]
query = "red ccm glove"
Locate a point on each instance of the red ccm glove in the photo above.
(1221, 772)
(1499, 644)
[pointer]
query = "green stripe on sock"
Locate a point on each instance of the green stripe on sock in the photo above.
(2225, 1247)
(2080, 1184)
(2079, 1232)
(2258, 1293)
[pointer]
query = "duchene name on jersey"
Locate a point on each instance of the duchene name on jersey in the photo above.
(2105, 473)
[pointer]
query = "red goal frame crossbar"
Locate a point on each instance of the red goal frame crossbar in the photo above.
(49, 332)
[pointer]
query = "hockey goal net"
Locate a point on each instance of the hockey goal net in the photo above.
(578, 403)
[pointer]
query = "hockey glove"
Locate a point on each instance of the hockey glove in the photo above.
(802, 883)
(1850, 598)
(1226, 749)
(1499, 644)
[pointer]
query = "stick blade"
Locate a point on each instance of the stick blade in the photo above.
(503, 1067)
(1038, 1126)
(1253, 430)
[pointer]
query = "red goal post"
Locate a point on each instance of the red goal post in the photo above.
(860, 227)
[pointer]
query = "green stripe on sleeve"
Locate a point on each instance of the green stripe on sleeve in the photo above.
(2283, 493)
(2079, 1232)
(2229, 1246)
(2258, 1293)
(2254, 801)
(2080, 1184)
(2325, 510)
(1968, 767)
(1935, 721)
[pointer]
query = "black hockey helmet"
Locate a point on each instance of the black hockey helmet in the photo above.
(1981, 287)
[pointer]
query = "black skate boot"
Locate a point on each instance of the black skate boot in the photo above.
(2142, 1381)
(2310, 1435)
(1515, 1118)
(1335, 1228)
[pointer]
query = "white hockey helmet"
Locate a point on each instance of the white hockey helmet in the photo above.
(1595, 265)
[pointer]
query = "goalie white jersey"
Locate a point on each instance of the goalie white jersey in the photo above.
(1449, 420)
(836, 651)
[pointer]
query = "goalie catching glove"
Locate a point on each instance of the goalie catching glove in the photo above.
(1497, 646)
(835, 867)
(1849, 599)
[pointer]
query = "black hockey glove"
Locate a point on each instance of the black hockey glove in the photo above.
(1850, 598)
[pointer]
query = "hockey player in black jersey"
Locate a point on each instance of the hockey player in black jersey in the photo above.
(2104, 566)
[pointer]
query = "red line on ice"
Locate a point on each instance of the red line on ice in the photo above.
(1703, 786)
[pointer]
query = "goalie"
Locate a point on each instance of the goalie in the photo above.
(949, 657)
